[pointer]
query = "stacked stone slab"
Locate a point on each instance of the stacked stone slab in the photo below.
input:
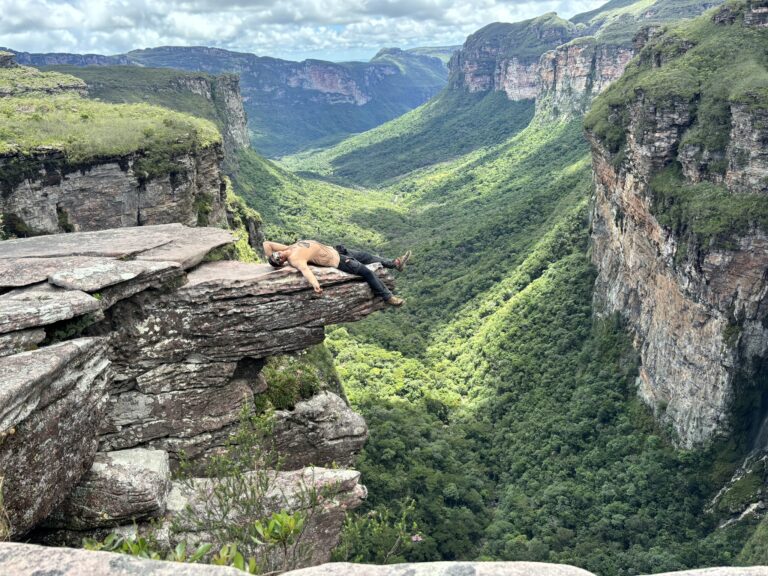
(160, 350)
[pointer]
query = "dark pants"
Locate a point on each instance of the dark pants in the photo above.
(354, 262)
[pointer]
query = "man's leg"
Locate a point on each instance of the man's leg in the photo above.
(352, 266)
(368, 258)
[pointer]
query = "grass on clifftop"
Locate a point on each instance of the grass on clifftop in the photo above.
(21, 80)
(86, 130)
(706, 64)
(140, 85)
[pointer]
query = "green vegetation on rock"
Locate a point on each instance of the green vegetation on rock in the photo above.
(707, 212)
(162, 87)
(24, 81)
(701, 68)
(618, 21)
(86, 130)
(503, 420)
(452, 124)
(704, 64)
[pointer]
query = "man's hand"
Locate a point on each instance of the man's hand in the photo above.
(318, 289)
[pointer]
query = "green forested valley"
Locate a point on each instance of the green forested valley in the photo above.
(504, 421)
(503, 409)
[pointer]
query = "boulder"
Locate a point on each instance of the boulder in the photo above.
(321, 430)
(337, 491)
(51, 403)
(121, 487)
(28, 559)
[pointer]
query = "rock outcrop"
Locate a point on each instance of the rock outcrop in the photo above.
(120, 488)
(53, 400)
(692, 288)
(322, 430)
(173, 348)
(337, 491)
(55, 196)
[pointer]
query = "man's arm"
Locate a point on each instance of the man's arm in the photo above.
(270, 247)
(307, 273)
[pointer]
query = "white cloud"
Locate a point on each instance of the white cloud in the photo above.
(292, 29)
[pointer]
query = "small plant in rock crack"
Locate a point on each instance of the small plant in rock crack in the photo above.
(239, 505)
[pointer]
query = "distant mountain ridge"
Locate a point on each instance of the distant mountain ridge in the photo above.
(295, 105)
(501, 72)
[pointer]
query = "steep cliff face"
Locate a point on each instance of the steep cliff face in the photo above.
(506, 56)
(572, 75)
(226, 94)
(561, 64)
(160, 352)
(58, 197)
(679, 234)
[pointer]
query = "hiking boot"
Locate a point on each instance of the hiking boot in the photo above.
(395, 301)
(400, 262)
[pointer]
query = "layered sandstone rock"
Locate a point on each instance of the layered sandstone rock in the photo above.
(179, 350)
(506, 56)
(569, 77)
(51, 404)
(56, 197)
(696, 304)
(121, 487)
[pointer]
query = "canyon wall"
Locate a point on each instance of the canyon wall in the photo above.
(691, 285)
(49, 195)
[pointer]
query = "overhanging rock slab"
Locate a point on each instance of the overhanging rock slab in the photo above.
(41, 305)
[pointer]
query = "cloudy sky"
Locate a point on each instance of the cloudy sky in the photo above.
(291, 29)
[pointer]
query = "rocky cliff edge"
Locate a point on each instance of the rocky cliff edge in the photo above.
(121, 348)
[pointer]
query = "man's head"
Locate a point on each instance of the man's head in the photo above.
(277, 259)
